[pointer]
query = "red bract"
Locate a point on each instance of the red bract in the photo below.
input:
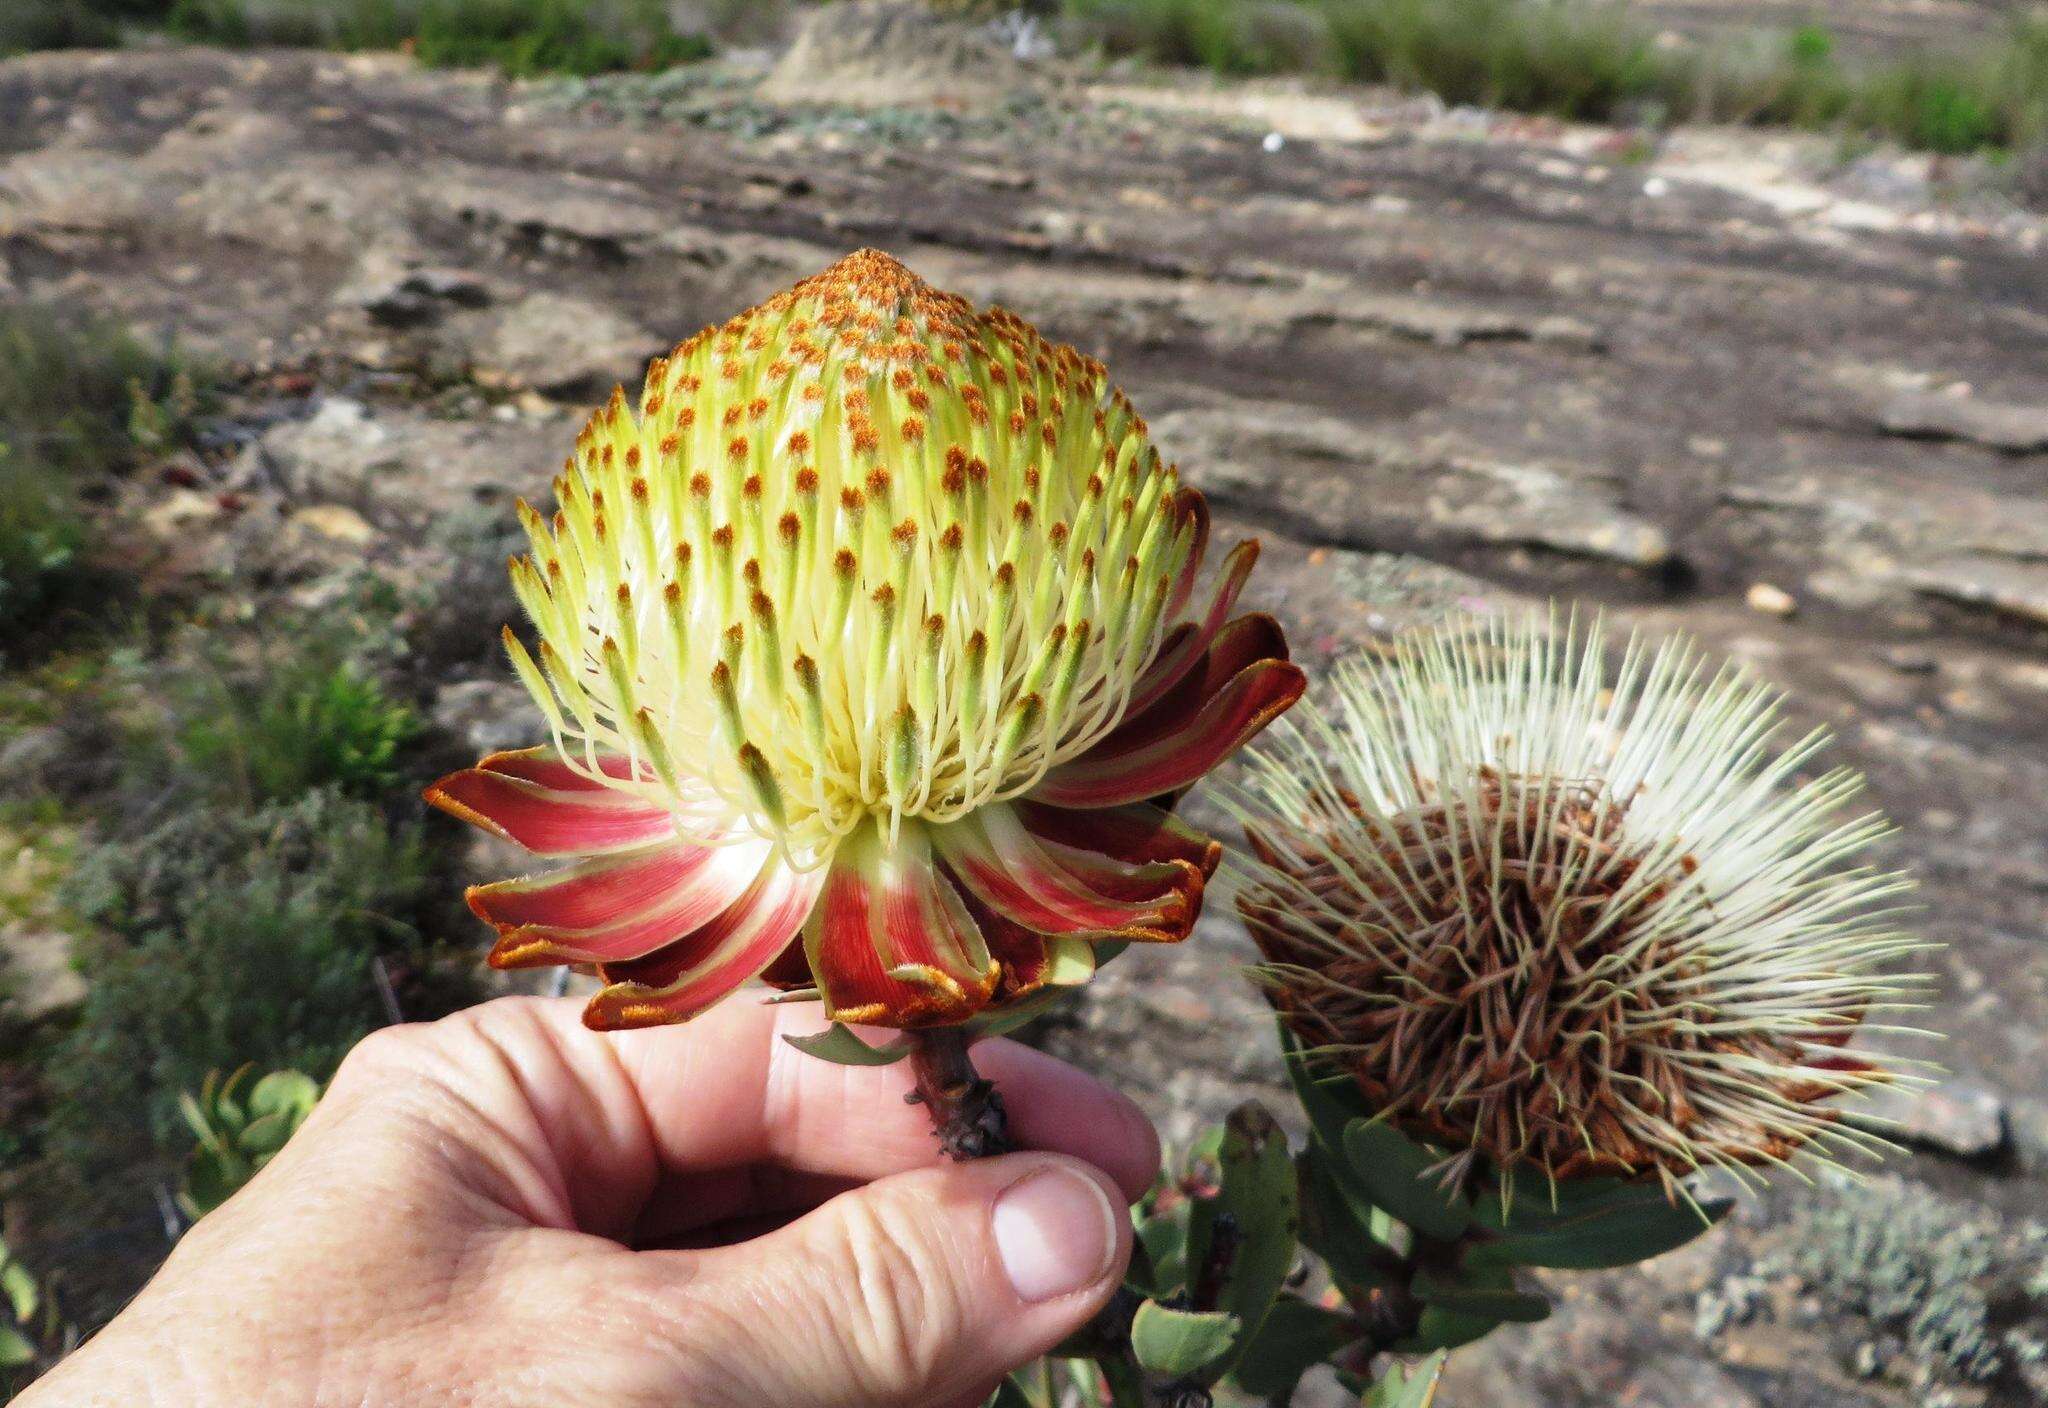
(867, 651)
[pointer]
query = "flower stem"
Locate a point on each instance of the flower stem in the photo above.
(966, 1111)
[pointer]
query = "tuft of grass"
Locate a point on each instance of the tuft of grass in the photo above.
(80, 400)
(1593, 60)
(1575, 60)
(520, 37)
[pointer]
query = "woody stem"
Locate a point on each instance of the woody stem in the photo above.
(966, 1111)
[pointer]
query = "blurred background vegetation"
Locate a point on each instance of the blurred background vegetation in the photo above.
(217, 811)
(1588, 59)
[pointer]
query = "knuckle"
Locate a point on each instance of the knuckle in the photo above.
(384, 1052)
(906, 1304)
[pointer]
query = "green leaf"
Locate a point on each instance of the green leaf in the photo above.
(197, 1120)
(20, 1288)
(291, 1093)
(1259, 1197)
(15, 1350)
(1329, 1099)
(1009, 1395)
(1405, 1387)
(1393, 1171)
(1618, 1235)
(1165, 1243)
(1480, 1292)
(267, 1134)
(1337, 1227)
(1181, 1342)
(1152, 1237)
(1440, 1328)
(840, 1046)
(1295, 1337)
(211, 1179)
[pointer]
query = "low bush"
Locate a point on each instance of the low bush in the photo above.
(225, 938)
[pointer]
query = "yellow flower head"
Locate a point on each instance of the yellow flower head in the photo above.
(866, 620)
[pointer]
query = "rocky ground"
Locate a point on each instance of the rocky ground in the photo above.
(1719, 382)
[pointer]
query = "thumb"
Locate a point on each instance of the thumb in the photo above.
(924, 1287)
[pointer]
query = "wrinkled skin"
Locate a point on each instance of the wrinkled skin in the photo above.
(505, 1208)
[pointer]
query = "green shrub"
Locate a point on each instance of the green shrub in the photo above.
(228, 938)
(29, 25)
(521, 37)
(252, 720)
(1236, 38)
(1928, 1269)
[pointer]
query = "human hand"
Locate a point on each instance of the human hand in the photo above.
(458, 1223)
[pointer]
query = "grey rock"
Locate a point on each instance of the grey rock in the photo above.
(2000, 587)
(1455, 323)
(583, 211)
(487, 715)
(1961, 1117)
(35, 964)
(554, 342)
(1919, 415)
(32, 759)
(1340, 485)
(421, 295)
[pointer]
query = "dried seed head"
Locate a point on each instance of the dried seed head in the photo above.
(1568, 922)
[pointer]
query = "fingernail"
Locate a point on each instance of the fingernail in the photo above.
(1055, 1232)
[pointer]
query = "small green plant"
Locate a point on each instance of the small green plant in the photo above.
(1812, 44)
(274, 718)
(32, 1333)
(239, 1132)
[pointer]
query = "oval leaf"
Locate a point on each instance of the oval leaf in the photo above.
(1336, 1227)
(1180, 1342)
(1330, 1100)
(1483, 1295)
(1618, 1235)
(840, 1046)
(15, 1351)
(1406, 1387)
(20, 1288)
(1259, 1199)
(1296, 1337)
(284, 1092)
(1446, 1329)
(1393, 1170)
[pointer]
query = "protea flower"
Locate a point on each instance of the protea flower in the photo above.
(1571, 923)
(865, 650)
